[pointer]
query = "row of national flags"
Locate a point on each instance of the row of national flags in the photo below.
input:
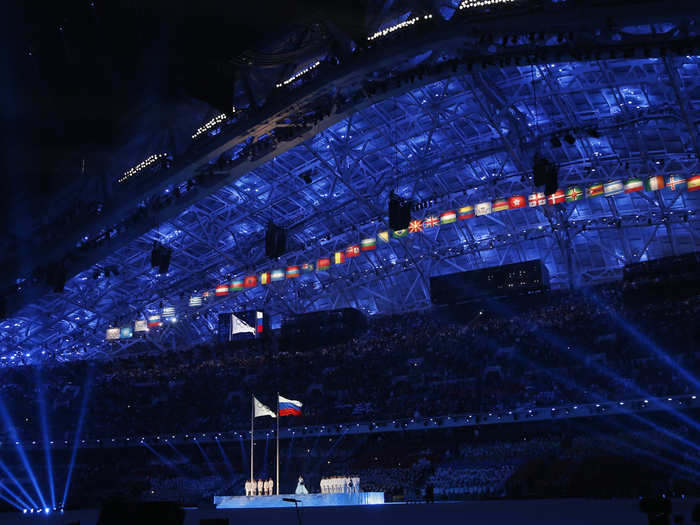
(514, 202)
(470, 211)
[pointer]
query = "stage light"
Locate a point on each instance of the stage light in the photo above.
(299, 74)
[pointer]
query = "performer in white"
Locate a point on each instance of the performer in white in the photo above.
(260, 488)
(247, 487)
(356, 484)
(266, 488)
(270, 486)
(301, 489)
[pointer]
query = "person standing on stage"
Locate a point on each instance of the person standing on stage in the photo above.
(247, 487)
(261, 490)
(270, 486)
(301, 489)
(266, 488)
(356, 483)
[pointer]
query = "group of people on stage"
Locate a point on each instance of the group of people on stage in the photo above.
(339, 484)
(259, 488)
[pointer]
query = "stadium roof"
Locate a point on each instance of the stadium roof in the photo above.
(445, 112)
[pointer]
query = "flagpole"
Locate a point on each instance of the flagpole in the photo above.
(278, 443)
(252, 429)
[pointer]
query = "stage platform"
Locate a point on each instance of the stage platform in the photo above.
(351, 499)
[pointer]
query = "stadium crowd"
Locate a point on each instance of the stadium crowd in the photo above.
(569, 348)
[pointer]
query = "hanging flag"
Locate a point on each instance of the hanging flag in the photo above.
(415, 226)
(675, 182)
(694, 183)
(594, 190)
(277, 275)
(221, 289)
(399, 233)
(483, 208)
(655, 183)
(557, 197)
(383, 236)
(500, 205)
(307, 267)
(448, 217)
(323, 264)
(633, 185)
(431, 222)
(195, 300)
(169, 311)
(259, 322)
(369, 243)
(338, 257)
(261, 410)
(574, 194)
(612, 188)
(237, 285)
(292, 271)
(140, 326)
(265, 278)
(516, 201)
(154, 321)
(289, 407)
(112, 334)
(466, 212)
(352, 251)
(536, 199)
(250, 281)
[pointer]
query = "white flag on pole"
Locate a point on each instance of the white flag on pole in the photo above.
(262, 410)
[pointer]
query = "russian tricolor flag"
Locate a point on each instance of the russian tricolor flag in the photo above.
(289, 407)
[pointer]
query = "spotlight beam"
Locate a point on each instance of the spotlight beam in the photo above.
(179, 454)
(555, 339)
(19, 500)
(163, 459)
(557, 377)
(206, 457)
(15, 505)
(17, 484)
(78, 431)
(20, 450)
(649, 344)
(229, 467)
(45, 433)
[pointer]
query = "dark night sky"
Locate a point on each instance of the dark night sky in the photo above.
(79, 74)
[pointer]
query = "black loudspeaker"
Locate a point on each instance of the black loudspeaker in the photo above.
(160, 257)
(545, 174)
(56, 276)
(275, 241)
(141, 513)
(399, 212)
(164, 262)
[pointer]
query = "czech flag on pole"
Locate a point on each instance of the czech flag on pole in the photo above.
(289, 407)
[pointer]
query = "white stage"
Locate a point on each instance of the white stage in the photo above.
(307, 500)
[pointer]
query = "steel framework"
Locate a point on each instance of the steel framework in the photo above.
(466, 134)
